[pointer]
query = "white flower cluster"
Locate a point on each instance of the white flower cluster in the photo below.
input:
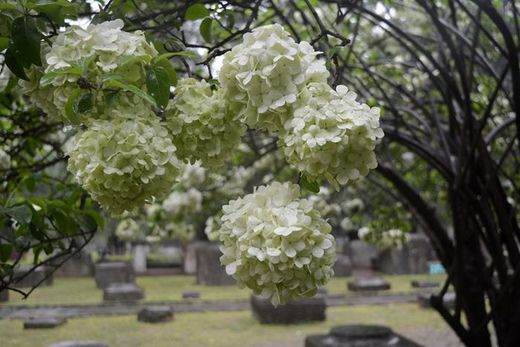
(5, 75)
(178, 203)
(276, 244)
(81, 60)
(353, 206)
(385, 239)
(212, 228)
(124, 163)
(202, 125)
(332, 135)
(129, 230)
(263, 75)
(192, 175)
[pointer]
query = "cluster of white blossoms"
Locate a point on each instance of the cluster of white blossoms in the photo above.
(384, 239)
(129, 230)
(183, 202)
(202, 125)
(124, 163)
(5, 160)
(332, 135)
(277, 244)
(263, 75)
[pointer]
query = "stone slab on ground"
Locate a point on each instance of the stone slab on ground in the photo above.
(4, 295)
(155, 314)
(343, 266)
(78, 265)
(368, 284)
(25, 278)
(113, 272)
(359, 336)
(362, 254)
(190, 294)
(209, 270)
(43, 322)
(424, 284)
(448, 300)
(123, 292)
(79, 343)
(295, 311)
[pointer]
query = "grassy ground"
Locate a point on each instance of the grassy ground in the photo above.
(170, 288)
(218, 329)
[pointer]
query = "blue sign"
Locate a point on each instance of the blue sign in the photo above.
(435, 268)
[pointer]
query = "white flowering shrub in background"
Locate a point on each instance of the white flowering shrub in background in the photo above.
(202, 125)
(124, 163)
(129, 230)
(384, 239)
(263, 75)
(277, 244)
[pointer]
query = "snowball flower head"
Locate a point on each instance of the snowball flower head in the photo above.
(80, 60)
(276, 244)
(183, 202)
(331, 135)
(128, 230)
(124, 163)
(263, 75)
(202, 125)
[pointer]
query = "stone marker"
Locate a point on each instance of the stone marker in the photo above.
(425, 284)
(343, 266)
(190, 257)
(412, 258)
(190, 294)
(295, 311)
(4, 295)
(32, 278)
(79, 343)
(79, 265)
(448, 300)
(139, 252)
(155, 314)
(113, 272)
(209, 270)
(368, 284)
(361, 253)
(123, 292)
(43, 322)
(359, 336)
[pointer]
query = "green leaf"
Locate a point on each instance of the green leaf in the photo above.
(57, 10)
(25, 38)
(84, 103)
(196, 11)
(4, 43)
(5, 252)
(112, 82)
(15, 64)
(8, 7)
(205, 29)
(47, 79)
(172, 74)
(97, 217)
(311, 186)
(158, 85)
(70, 109)
(64, 223)
(173, 54)
(21, 213)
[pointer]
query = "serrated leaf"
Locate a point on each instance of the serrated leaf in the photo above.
(14, 64)
(26, 40)
(158, 85)
(172, 74)
(84, 103)
(111, 82)
(70, 111)
(196, 11)
(22, 213)
(311, 186)
(205, 29)
(47, 79)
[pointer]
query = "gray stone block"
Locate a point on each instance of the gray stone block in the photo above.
(190, 294)
(43, 323)
(123, 292)
(368, 284)
(295, 311)
(209, 270)
(359, 336)
(79, 343)
(190, 257)
(361, 253)
(343, 266)
(424, 284)
(4, 295)
(25, 278)
(79, 265)
(412, 258)
(155, 314)
(448, 300)
(113, 272)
